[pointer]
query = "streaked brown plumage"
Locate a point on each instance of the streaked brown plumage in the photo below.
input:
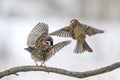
(78, 31)
(44, 51)
(40, 31)
(40, 44)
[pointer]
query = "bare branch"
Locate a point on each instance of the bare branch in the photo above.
(85, 74)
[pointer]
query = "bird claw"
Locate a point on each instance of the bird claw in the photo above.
(42, 65)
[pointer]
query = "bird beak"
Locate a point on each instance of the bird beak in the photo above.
(51, 42)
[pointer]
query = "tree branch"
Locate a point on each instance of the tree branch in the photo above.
(85, 74)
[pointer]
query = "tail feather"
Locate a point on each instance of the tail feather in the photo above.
(86, 47)
(80, 48)
(29, 49)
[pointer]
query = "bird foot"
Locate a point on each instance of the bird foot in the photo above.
(42, 65)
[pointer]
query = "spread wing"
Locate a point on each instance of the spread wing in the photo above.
(39, 31)
(90, 30)
(57, 47)
(63, 32)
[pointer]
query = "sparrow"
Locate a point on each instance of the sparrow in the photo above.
(40, 44)
(44, 51)
(78, 32)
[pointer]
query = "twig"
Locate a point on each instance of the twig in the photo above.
(85, 74)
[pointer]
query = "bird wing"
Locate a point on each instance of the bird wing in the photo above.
(90, 30)
(39, 31)
(56, 48)
(63, 32)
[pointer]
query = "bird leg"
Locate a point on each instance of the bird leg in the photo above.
(36, 63)
(43, 64)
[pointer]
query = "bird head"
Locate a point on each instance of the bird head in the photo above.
(74, 22)
(48, 40)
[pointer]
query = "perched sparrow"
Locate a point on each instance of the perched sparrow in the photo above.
(78, 31)
(40, 44)
(44, 51)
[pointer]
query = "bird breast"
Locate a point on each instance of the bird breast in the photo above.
(39, 53)
(79, 32)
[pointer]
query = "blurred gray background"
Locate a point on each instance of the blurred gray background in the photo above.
(18, 17)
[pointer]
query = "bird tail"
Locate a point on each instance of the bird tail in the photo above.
(80, 48)
(29, 49)
(86, 47)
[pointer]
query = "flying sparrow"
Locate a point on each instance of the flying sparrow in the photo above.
(40, 44)
(78, 31)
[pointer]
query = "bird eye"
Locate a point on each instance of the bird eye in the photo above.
(46, 42)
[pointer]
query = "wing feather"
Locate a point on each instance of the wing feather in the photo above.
(57, 47)
(36, 32)
(90, 30)
(63, 32)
